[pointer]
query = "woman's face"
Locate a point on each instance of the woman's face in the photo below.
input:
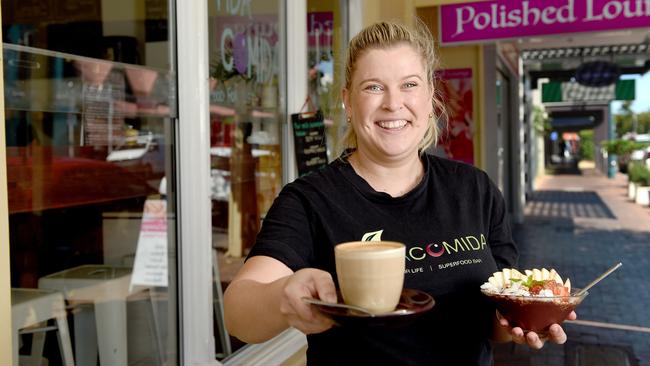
(389, 102)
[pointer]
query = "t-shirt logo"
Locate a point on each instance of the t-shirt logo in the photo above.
(372, 236)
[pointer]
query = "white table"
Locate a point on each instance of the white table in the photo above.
(106, 288)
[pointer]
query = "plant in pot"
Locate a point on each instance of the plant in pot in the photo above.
(639, 176)
(622, 149)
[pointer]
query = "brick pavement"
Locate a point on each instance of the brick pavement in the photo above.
(581, 224)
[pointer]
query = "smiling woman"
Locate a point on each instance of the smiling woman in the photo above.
(383, 187)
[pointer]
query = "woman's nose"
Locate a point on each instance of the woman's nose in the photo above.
(393, 101)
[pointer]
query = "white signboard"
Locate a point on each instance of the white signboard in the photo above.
(150, 266)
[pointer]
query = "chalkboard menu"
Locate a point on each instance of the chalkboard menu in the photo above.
(309, 141)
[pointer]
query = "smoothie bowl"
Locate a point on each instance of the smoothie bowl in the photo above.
(533, 300)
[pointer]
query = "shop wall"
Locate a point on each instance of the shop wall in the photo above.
(424, 3)
(117, 19)
(460, 57)
(5, 300)
(129, 18)
(378, 10)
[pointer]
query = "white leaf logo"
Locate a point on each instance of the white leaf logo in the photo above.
(372, 236)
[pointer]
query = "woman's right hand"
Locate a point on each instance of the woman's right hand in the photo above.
(309, 282)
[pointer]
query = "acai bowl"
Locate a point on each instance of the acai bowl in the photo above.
(533, 300)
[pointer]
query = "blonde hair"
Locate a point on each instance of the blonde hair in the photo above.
(385, 35)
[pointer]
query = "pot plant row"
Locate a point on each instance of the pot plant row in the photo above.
(638, 188)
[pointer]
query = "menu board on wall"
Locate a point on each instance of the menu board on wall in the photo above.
(27, 11)
(156, 19)
(79, 10)
(39, 11)
(309, 141)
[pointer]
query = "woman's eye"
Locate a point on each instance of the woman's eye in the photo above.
(410, 84)
(374, 88)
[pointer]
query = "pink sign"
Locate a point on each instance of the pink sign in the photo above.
(320, 29)
(499, 19)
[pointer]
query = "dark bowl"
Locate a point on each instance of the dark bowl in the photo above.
(534, 313)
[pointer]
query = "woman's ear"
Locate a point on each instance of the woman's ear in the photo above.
(345, 95)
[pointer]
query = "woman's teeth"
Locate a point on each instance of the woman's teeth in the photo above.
(391, 125)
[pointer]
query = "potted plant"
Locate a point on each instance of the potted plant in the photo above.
(639, 174)
(622, 149)
(633, 176)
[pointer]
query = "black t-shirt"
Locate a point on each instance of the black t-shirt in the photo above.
(457, 232)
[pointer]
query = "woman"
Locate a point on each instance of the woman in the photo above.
(384, 187)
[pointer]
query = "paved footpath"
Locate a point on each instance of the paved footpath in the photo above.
(582, 224)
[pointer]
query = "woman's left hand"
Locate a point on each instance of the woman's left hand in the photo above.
(533, 340)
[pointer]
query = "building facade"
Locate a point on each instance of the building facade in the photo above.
(144, 141)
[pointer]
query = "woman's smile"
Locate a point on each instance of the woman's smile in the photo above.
(392, 125)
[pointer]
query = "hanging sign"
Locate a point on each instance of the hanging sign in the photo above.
(597, 73)
(500, 19)
(309, 141)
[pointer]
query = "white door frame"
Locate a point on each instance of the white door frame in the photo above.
(196, 333)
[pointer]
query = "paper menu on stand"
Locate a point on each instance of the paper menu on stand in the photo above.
(150, 265)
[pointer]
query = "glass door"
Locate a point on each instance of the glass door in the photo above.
(261, 71)
(90, 114)
(246, 114)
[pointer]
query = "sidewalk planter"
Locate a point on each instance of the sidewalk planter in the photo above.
(639, 177)
(642, 196)
(631, 191)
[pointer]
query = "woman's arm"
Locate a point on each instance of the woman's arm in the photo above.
(265, 298)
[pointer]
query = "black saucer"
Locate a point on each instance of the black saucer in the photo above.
(412, 304)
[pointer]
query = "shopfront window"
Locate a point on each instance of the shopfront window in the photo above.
(90, 115)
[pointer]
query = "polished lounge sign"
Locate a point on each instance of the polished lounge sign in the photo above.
(500, 19)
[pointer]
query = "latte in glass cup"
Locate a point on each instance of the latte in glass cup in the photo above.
(371, 274)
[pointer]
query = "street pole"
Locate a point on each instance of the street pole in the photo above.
(611, 158)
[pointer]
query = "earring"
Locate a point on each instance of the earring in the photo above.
(349, 119)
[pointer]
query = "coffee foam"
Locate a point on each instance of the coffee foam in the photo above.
(383, 249)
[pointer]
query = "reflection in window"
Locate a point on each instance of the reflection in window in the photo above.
(245, 127)
(245, 120)
(326, 50)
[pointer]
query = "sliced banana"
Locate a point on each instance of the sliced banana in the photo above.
(500, 280)
(545, 274)
(552, 275)
(505, 277)
(515, 274)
